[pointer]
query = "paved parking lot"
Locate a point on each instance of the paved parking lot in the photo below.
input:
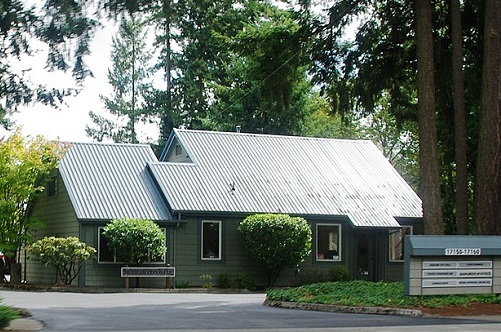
(208, 312)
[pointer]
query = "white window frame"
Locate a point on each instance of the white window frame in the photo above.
(339, 244)
(162, 262)
(220, 233)
(391, 242)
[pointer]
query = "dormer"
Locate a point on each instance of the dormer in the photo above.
(175, 152)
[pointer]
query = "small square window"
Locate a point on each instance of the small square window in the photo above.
(211, 240)
(397, 243)
(328, 242)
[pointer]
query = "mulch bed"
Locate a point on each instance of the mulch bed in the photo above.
(474, 309)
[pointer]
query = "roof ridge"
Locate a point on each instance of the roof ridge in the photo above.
(108, 143)
(210, 132)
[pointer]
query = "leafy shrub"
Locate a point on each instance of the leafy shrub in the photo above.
(207, 281)
(240, 281)
(7, 314)
(224, 280)
(182, 284)
(276, 241)
(339, 273)
(135, 241)
(66, 254)
(245, 281)
(313, 276)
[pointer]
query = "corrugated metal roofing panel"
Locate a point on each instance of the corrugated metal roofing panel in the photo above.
(107, 181)
(238, 172)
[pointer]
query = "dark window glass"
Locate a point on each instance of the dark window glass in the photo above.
(211, 240)
(328, 242)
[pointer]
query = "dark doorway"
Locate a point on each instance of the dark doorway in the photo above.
(365, 256)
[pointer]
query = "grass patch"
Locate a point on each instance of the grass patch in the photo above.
(7, 314)
(363, 293)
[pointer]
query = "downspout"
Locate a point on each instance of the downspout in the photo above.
(82, 237)
(174, 244)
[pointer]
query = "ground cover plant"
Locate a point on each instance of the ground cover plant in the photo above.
(7, 314)
(363, 293)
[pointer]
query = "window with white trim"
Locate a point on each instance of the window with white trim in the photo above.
(211, 240)
(328, 244)
(396, 239)
(105, 255)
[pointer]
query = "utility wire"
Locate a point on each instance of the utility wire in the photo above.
(258, 85)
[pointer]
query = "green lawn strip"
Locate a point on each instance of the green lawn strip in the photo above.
(362, 293)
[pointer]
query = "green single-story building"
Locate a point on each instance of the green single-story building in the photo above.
(205, 183)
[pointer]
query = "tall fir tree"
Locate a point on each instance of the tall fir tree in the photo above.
(488, 181)
(428, 142)
(130, 77)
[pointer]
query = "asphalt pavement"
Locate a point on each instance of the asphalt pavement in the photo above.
(63, 311)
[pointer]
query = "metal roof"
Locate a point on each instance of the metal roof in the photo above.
(252, 173)
(107, 181)
(435, 245)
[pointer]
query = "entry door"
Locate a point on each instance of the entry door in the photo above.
(365, 256)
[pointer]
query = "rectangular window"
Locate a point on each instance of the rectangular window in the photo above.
(211, 240)
(328, 242)
(397, 243)
(52, 187)
(105, 255)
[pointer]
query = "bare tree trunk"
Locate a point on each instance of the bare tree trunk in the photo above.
(459, 120)
(166, 117)
(428, 143)
(488, 180)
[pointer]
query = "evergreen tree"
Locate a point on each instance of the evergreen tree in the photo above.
(460, 133)
(488, 181)
(267, 87)
(428, 142)
(381, 61)
(130, 79)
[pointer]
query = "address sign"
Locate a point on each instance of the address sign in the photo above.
(463, 252)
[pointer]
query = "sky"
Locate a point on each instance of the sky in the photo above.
(67, 123)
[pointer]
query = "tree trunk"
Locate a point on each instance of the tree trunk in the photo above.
(488, 180)
(167, 122)
(428, 144)
(15, 273)
(459, 120)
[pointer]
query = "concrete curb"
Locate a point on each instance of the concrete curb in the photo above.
(104, 290)
(25, 324)
(344, 309)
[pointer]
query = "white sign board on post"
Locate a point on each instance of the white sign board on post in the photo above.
(148, 272)
(452, 264)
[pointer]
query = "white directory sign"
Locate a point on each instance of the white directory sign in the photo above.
(456, 274)
(433, 283)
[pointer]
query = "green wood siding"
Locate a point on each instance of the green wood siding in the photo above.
(59, 219)
(189, 266)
